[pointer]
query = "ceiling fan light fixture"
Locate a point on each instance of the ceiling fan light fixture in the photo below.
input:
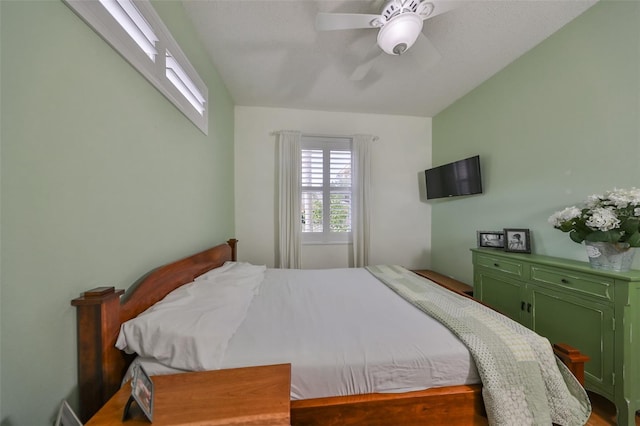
(399, 34)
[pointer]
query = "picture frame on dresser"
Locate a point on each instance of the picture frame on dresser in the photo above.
(517, 240)
(491, 239)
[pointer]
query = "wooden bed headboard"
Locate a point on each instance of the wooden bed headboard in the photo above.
(101, 311)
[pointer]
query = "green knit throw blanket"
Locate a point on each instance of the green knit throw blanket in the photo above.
(523, 382)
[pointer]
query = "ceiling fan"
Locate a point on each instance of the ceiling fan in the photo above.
(399, 28)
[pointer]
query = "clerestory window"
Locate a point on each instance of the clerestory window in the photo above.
(135, 30)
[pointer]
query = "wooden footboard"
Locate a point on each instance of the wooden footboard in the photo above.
(101, 366)
(452, 405)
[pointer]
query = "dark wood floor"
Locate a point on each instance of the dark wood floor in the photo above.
(603, 412)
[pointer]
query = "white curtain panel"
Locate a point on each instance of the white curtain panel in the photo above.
(289, 199)
(361, 181)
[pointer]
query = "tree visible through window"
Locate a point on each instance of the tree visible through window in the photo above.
(326, 189)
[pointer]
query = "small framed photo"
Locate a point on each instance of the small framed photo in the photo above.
(491, 239)
(517, 240)
(142, 391)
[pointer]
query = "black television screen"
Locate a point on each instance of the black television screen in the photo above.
(461, 177)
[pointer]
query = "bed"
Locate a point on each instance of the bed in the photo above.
(451, 399)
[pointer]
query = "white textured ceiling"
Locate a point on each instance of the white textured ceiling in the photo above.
(269, 53)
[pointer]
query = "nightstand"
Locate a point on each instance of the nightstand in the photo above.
(239, 396)
(445, 281)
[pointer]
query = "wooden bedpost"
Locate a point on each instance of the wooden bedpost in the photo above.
(572, 358)
(98, 319)
(234, 249)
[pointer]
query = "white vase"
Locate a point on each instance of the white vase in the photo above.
(609, 256)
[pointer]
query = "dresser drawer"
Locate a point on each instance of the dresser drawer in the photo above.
(511, 267)
(592, 285)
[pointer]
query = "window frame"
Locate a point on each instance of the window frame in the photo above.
(102, 22)
(326, 144)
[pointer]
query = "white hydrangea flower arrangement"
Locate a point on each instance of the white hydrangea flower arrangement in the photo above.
(612, 217)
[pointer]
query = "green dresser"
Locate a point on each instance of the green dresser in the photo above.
(597, 312)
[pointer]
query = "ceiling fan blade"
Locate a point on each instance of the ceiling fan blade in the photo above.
(344, 21)
(443, 6)
(363, 69)
(424, 53)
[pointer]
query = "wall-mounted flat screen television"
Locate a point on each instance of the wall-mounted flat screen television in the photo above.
(461, 177)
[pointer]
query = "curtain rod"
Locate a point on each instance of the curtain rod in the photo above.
(321, 135)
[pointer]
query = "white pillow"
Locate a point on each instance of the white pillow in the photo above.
(191, 327)
(216, 271)
(239, 273)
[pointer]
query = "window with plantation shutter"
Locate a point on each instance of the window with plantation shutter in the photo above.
(325, 181)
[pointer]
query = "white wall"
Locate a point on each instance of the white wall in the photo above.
(400, 218)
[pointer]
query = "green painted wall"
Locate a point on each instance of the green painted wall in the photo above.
(558, 124)
(102, 179)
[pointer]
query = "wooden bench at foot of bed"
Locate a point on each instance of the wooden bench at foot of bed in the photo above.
(101, 366)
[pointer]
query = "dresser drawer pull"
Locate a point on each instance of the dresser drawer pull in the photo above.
(564, 281)
(529, 307)
(522, 306)
(496, 265)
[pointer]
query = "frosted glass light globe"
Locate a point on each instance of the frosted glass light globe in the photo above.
(399, 34)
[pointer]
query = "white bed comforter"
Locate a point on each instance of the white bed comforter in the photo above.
(343, 331)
